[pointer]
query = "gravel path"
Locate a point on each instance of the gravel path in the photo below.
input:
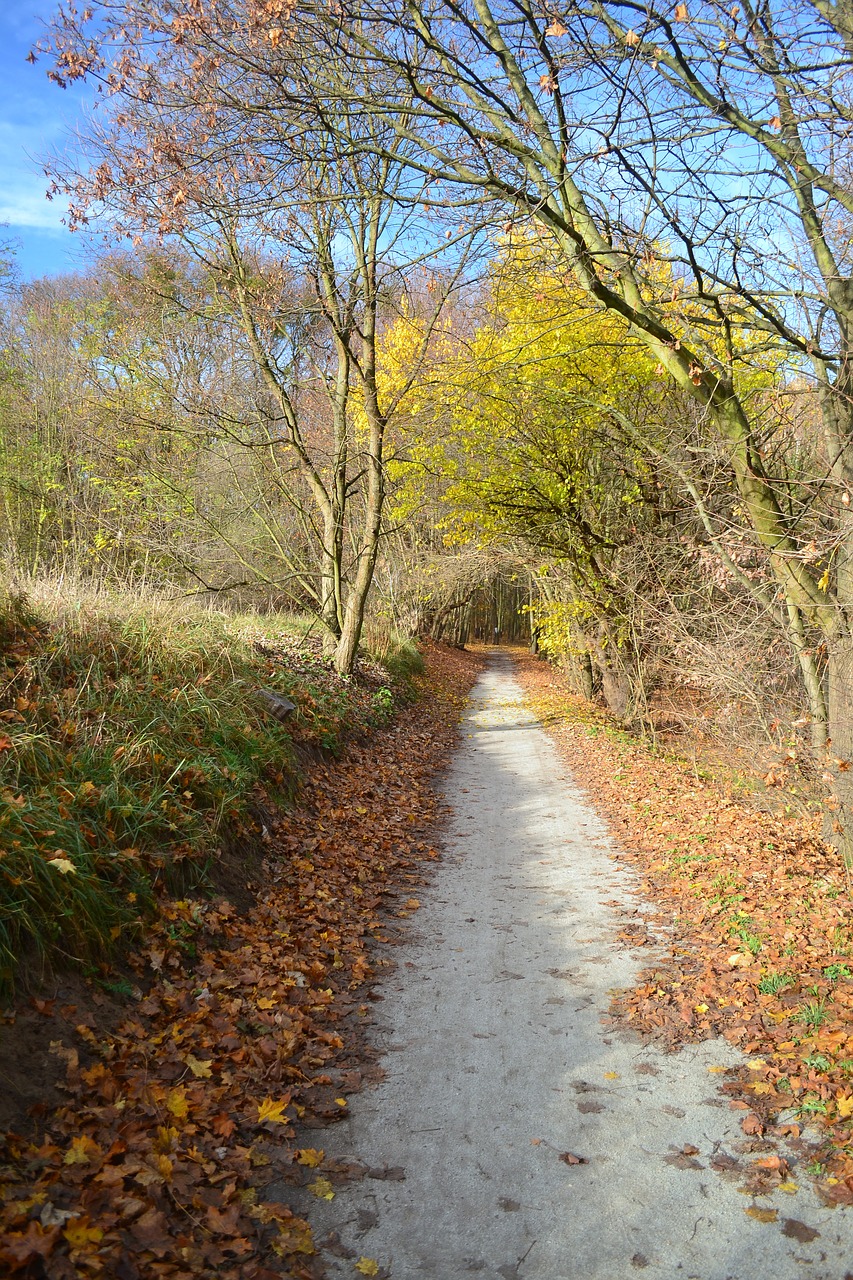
(497, 1063)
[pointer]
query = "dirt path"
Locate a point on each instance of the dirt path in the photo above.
(498, 1063)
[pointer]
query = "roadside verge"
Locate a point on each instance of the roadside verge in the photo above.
(758, 918)
(240, 1025)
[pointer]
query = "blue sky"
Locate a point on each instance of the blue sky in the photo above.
(35, 118)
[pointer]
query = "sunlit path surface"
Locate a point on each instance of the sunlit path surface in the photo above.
(497, 1063)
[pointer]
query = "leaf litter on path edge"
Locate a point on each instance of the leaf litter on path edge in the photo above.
(251, 1027)
(758, 946)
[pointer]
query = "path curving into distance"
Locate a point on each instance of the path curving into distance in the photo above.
(497, 1062)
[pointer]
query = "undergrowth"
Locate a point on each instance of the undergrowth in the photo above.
(129, 737)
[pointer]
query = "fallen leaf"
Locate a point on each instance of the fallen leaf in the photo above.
(80, 1232)
(201, 1068)
(310, 1157)
(568, 1157)
(322, 1189)
(81, 1151)
(271, 1112)
(63, 865)
(761, 1215)
(367, 1267)
(20, 1248)
(177, 1105)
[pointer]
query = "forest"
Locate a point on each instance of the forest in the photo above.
(413, 319)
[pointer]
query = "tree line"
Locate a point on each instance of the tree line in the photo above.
(417, 296)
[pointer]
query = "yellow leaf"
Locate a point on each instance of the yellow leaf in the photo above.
(790, 1188)
(176, 1102)
(322, 1189)
(164, 1164)
(295, 1236)
(81, 1151)
(342, 1102)
(266, 1003)
(200, 1067)
(63, 865)
(845, 1107)
(700, 1008)
(716, 1070)
(367, 1267)
(631, 38)
(761, 1215)
(310, 1157)
(79, 1233)
(755, 1063)
(681, 13)
(268, 1110)
(611, 1075)
(761, 1086)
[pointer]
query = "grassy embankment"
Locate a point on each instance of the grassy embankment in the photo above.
(132, 745)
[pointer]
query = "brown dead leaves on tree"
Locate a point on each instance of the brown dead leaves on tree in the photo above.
(759, 941)
(175, 1122)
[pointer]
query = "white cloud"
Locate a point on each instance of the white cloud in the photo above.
(23, 204)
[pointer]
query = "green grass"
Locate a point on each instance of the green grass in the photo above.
(772, 983)
(813, 1014)
(400, 656)
(129, 736)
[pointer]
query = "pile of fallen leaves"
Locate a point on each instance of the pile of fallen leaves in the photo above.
(755, 912)
(170, 1154)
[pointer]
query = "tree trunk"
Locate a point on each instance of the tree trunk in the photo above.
(840, 804)
(812, 681)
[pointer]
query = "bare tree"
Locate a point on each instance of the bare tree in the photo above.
(715, 144)
(300, 210)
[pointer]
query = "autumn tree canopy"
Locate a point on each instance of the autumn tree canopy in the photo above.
(688, 167)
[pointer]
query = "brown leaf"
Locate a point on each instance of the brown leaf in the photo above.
(762, 1215)
(151, 1232)
(771, 1162)
(19, 1248)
